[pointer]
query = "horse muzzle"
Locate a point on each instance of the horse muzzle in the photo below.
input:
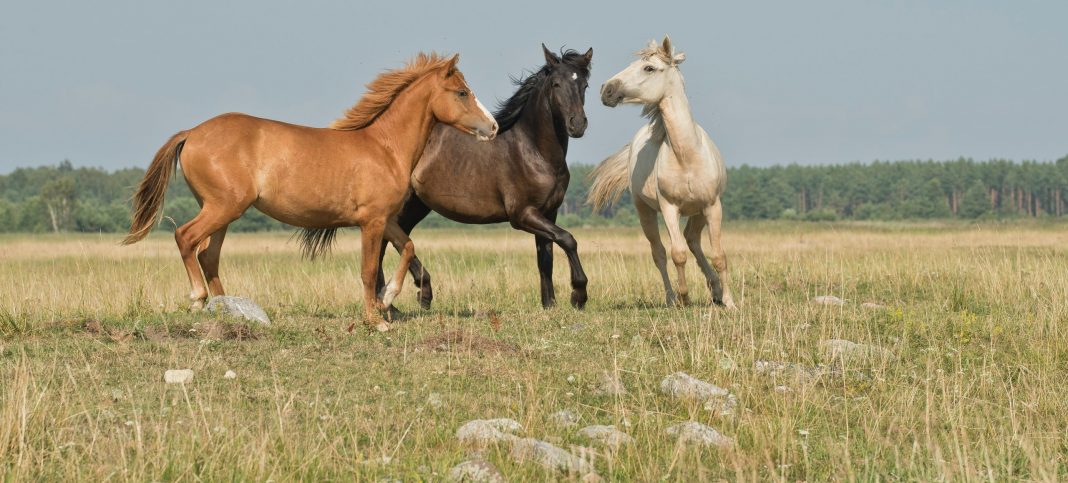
(576, 126)
(487, 133)
(611, 93)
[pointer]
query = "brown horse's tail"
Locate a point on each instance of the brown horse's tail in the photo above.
(148, 201)
(610, 179)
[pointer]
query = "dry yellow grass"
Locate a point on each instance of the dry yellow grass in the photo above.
(976, 318)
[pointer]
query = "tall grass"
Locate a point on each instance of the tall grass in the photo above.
(975, 320)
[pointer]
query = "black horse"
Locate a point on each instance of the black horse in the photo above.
(520, 177)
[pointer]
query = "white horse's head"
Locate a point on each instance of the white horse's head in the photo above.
(648, 79)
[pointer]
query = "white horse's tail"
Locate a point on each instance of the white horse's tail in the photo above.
(610, 179)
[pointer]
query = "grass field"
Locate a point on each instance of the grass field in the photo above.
(973, 387)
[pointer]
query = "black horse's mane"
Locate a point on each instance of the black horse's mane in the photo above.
(509, 111)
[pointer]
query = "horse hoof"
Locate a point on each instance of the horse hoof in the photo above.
(382, 327)
(578, 300)
(197, 306)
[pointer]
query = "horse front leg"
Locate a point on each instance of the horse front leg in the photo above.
(532, 221)
(647, 217)
(678, 247)
(721, 292)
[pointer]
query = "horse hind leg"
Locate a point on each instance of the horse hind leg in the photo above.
(190, 238)
(396, 236)
(209, 261)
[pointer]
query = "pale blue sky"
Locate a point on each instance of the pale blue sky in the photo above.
(105, 83)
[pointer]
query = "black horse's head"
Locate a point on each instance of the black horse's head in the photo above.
(561, 83)
(567, 76)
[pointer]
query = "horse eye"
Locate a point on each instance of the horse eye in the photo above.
(462, 93)
(649, 68)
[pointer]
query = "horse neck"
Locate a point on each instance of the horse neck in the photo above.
(405, 125)
(548, 133)
(673, 111)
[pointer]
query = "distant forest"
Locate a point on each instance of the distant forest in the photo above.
(63, 198)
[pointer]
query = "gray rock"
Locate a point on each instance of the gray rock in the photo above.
(684, 386)
(549, 456)
(178, 376)
(606, 435)
(610, 385)
(238, 307)
(844, 350)
(486, 431)
(872, 306)
(230, 375)
(475, 471)
(724, 406)
(692, 432)
(565, 418)
(828, 300)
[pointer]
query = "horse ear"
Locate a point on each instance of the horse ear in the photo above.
(450, 68)
(667, 47)
(588, 56)
(550, 58)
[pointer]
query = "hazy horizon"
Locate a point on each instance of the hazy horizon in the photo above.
(813, 83)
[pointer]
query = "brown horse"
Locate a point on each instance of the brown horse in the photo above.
(355, 173)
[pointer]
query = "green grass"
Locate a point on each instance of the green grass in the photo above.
(976, 318)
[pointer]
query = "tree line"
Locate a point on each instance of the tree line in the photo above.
(63, 198)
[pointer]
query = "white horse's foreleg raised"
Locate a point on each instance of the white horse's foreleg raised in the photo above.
(721, 292)
(678, 247)
(647, 217)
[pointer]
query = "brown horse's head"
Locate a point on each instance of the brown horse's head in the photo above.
(454, 104)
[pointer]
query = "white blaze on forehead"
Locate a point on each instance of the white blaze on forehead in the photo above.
(574, 76)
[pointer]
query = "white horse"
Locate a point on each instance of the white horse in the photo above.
(670, 166)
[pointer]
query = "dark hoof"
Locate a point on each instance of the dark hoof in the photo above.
(392, 313)
(548, 304)
(578, 299)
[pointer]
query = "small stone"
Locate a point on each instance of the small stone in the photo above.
(475, 471)
(699, 434)
(434, 400)
(565, 418)
(117, 395)
(178, 376)
(606, 435)
(230, 375)
(549, 456)
(571, 378)
(872, 306)
(485, 431)
(783, 389)
(238, 307)
(684, 386)
(610, 385)
(727, 364)
(828, 300)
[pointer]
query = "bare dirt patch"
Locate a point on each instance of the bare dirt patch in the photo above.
(460, 341)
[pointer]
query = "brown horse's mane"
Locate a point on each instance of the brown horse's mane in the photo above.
(385, 88)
